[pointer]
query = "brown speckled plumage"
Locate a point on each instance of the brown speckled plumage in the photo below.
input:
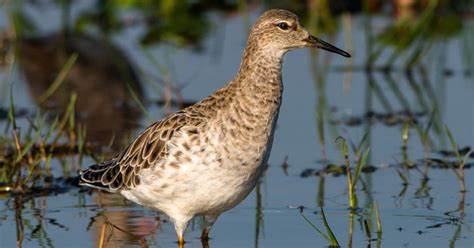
(205, 159)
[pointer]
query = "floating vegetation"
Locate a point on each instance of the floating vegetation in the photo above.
(461, 152)
(334, 170)
(388, 119)
(340, 170)
(437, 163)
(48, 185)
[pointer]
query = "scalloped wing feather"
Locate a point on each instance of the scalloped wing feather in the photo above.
(122, 171)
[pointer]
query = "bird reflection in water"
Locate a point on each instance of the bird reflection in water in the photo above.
(119, 227)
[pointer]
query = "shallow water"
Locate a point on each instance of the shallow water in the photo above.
(430, 213)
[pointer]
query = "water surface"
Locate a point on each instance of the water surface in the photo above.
(422, 213)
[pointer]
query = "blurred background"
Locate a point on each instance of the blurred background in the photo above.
(79, 79)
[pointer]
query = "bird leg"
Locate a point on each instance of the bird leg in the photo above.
(180, 241)
(180, 223)
(209, 220)
(205, 234)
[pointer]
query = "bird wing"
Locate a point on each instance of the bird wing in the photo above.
(151, 146)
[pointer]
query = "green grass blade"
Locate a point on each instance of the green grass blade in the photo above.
(354, 147)
(377, 218)
(403, 177)
(82, 132)
(453, 144)
(405, 133)
(430, 123)
(360, 164)
(47, 163)
(367, 230)
(333, 240)
(59, 79)
(420, 132)
(31, 172)
(315, 228)
(345, 150)
(466, 157)
(361, 143)
(26, 149)
(139, 103)
(52, 128)
(350, 184)
(11, 109)
(371, 220)
(345, 153)
(69, 111)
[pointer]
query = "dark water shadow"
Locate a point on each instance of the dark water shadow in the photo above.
(104, 80)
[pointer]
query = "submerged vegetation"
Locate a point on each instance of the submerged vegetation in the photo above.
(88, 95)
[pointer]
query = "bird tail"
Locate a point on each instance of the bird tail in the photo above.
(102, 176)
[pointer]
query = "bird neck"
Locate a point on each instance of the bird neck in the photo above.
(257, 89)
(259, 74)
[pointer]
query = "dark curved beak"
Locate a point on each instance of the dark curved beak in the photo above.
(315, 42)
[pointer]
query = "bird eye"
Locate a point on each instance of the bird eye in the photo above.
(283, 25)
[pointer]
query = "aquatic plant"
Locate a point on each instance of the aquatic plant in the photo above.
(461, 160)
(25, 158)
(329, 235)
(352, 179)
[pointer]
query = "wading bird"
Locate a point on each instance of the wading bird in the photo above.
(206, 158)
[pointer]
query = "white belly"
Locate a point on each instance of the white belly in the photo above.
(209, 180)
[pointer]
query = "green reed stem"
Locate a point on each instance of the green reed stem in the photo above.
(460, 171)
(378, 219)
